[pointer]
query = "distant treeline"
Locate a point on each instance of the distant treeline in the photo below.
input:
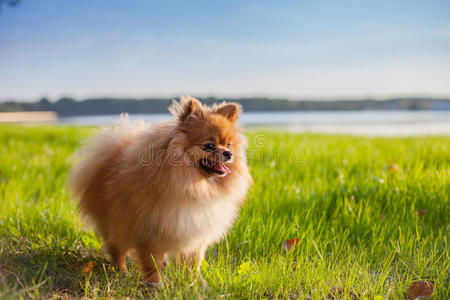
(103, 106)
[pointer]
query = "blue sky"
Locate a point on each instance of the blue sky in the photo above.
(296, 49)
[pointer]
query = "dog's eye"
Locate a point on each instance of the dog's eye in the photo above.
(229, 145)
(209, 146)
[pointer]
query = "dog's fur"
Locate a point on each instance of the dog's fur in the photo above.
(146, 192)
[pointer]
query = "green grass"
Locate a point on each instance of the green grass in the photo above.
(352, 202)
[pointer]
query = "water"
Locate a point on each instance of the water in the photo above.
(372, 123)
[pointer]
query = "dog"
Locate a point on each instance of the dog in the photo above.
(165, 190)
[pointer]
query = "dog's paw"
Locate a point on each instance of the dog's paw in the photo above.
(154, 285)
(152, 279)
(201, 281)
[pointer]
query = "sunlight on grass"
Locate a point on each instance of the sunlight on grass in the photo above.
(371, 216)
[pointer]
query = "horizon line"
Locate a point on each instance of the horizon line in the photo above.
(243, 96)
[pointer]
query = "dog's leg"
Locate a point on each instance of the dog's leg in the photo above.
(193, 259)
(118, 256)
(150, 263)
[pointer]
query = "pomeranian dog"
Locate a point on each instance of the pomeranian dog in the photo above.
(165, 190)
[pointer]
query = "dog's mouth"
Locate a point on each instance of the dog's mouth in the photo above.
(214, 167)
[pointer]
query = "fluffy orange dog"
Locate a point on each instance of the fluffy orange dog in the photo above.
(158, 191)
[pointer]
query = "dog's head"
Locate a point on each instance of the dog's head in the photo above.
(208, 135)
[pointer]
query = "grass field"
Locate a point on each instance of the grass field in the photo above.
(371, 215)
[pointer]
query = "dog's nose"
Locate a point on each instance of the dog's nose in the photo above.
(227, 154)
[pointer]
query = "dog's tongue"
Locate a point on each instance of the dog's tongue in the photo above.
(222, 168)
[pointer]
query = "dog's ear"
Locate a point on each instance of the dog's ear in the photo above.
(186, 107)
(230, 111)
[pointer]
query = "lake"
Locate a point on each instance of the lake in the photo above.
(372, 123)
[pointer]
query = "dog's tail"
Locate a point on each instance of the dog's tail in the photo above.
(96, 152)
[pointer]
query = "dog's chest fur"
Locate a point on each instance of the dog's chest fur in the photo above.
(203, 224)
(195, 223)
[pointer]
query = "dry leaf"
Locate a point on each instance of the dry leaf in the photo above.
(422, 212)
(88, 267)
(420, 289)
(393, 168)
(290, 244)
